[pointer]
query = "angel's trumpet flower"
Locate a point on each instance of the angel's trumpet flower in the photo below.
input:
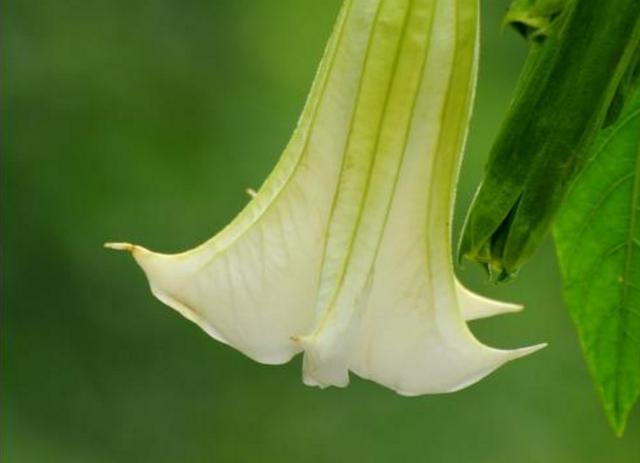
(345, 251)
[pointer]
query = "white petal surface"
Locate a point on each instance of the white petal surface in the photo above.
(253, 285)
(345, 251)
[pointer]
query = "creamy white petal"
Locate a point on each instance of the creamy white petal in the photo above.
(345, 251)
(475, 306)
(254, 284)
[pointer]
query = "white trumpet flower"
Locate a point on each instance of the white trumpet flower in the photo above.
(344, 253)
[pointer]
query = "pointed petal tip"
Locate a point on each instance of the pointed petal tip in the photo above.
(301, 341)
(132, 248)
(511, 307)
(524, 351)
(475, 306)
(120, 246)
(304, 342)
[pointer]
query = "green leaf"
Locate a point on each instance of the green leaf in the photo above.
(578, 57)
(598, 243)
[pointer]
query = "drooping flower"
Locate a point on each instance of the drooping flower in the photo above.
(344, 253)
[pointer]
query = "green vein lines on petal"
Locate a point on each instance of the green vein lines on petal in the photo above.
(345, 251)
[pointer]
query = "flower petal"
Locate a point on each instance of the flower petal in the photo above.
(345, 252)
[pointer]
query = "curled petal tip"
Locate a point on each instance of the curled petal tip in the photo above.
(120, 246)
(134, 249)
(510, 307)
(301, 341)
(524, 351)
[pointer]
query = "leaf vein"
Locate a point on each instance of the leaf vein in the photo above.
(592, 214)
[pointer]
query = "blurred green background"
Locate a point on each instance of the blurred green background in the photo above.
(145, 121)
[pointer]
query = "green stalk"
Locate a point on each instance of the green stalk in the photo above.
(580, 50)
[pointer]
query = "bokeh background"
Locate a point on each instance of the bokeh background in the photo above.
(145, 120)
